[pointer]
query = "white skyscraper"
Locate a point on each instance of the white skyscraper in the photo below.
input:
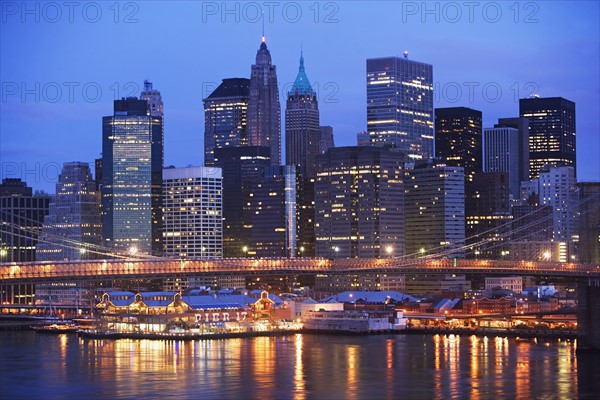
(558, 188)
(192, 211)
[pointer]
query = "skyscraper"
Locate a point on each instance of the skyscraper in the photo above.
(225, 116)
(270, 213)
(192, 212)
(488, 214)
(74, 217)
(558, 188)
(22, 214)
(400, 105)
(359, 209)
(264, 110)
(239, 165)
(132, 162)
(326, 140)
(551, 132)
(458, 138)
(434, 205)
(302, 125)
(154, 99)
(501, 154)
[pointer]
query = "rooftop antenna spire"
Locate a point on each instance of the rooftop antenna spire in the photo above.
(263, 27)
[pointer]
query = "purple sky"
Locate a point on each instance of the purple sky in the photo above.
(62, 67)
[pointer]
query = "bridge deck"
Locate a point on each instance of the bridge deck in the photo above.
(157, 268)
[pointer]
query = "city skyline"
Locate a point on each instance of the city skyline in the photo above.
(36, 137)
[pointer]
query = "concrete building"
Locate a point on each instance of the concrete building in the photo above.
(302, 134)
(589, 222)
(513, 283)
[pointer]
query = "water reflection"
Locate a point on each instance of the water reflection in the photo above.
(299, 366)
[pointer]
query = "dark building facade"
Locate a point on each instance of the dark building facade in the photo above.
(270, 213)
(239, 165)
(488, 215)
(551, 132)
(225, 117)
(589, 222)
(21, 214)
(458, 139)
(400, 105)
(264, 110)
(302, 125)
(132, 162)
(359, 210)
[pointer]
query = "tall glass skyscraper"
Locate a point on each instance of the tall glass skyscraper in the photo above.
(225, 117)
(132, 162)
(264, 110)
(400, 105)
(551, 132)
(74, 217)
(302, 124)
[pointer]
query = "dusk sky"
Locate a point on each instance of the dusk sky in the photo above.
(61, 68)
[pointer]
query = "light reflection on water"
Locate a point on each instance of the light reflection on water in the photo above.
(299, 367)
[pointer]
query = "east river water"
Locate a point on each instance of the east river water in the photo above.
(295, 367)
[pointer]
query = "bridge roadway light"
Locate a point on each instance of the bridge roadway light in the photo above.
(389, 250)
(3, 252)
(133, 250)
(546, 255)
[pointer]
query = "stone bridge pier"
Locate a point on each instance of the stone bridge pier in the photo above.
(588, 315)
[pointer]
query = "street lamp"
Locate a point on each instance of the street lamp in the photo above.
(133, 250)
(3, 252)
(301, 251)
(245, 250)
(389, 250)
(547, 255)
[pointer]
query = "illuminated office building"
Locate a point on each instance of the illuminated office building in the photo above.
(132, 162)
(264, 110)
(400, 105)
(359, 209)
(434, 205)
(192, 212)
(225, 116)
(73, 219)
(558, 188)
(551, 132)
(302, 125)
(458, 139)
